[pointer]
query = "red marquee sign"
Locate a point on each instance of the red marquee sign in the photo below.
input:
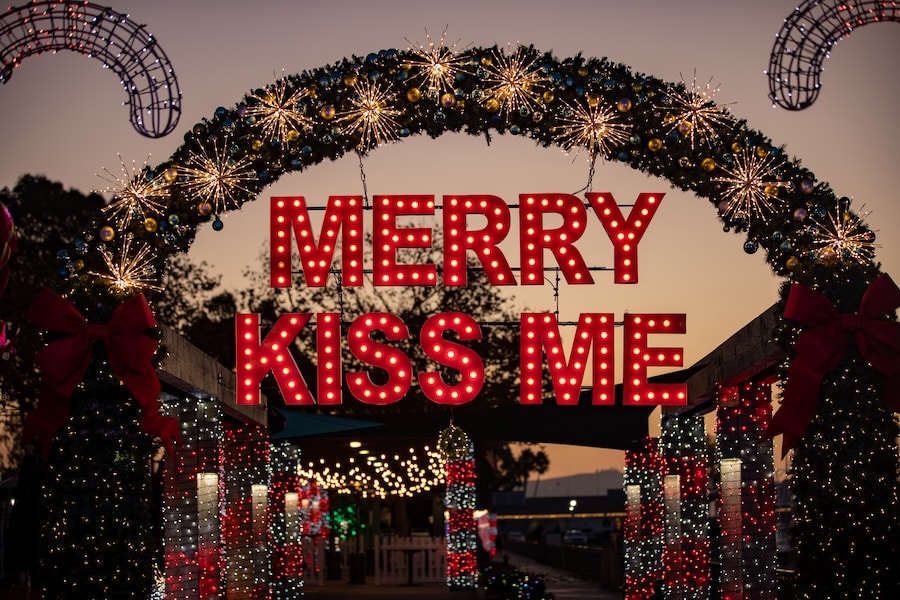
(540, 334)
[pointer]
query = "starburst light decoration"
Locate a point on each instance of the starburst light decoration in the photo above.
(129, 273)
(437, 65)
(279, 112)
(591, 126)
(136, 194)
(749, 185)
(371, 115)
(514, 81)
(216, 178)
(842, 236)
(697, 117)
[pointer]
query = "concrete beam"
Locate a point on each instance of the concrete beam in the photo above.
(196, 373)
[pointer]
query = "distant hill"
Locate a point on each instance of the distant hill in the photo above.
(585, 484)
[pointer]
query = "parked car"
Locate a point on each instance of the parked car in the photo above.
(575, 537)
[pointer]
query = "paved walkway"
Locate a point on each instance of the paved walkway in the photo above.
(562, 584)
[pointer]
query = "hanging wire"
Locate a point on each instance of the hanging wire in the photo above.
(362, 177)
(590, 182)
(339, 279)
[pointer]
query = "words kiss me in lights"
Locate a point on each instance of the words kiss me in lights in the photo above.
(540, 335)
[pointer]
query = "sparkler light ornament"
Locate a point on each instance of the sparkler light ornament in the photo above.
(130, 273)
(216, 179)
(372, 117)
(842, 236)
(437, 65)
(591, 126)
(515, 82)
(278, 112)
(136, 194)
(697, 116)
(750, 186)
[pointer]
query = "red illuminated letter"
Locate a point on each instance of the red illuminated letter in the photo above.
(388, 238)
(638, 356)
(255, 359)
(534, 239)
(290, 212)
(541, 331)
(458, 239)
(625, 233)
(391, 360)
(328, 357)
(453, 355)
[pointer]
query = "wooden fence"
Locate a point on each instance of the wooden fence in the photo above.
(410, 560)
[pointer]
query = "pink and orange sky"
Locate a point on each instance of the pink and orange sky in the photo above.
(62, 116)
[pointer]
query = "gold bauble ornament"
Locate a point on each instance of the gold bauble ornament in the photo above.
(107, 233)
(736, 147)
(492, 105)
(350, 79)
(170, 174)
(413, 94)
(293, 135)
(448, 100)
(327, 112)
(793, 263)
(654, 145)
(256, 145)
(593, 100)
(150, 224)
(486, 60)
(205, 209)
(548, 97)
(827, 255)
(771, 190)
(708, 165)
(762, 151)
(624, 105)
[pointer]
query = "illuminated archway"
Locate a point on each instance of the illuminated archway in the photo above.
(586, 105)
(668, 130)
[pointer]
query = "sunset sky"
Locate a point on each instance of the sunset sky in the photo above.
(62, 116)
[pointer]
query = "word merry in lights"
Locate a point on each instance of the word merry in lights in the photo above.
(540, 334)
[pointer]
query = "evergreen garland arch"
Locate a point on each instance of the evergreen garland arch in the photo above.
(844, 465)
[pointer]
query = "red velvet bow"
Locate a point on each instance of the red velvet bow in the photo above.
(65, 360)
(821, 347)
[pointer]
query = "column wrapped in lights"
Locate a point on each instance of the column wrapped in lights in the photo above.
(314, 517)
(208, 558)
(686, 455)
(284, 522)
(743, 414)
(673, 558)
(192, 551)
(731, 581)
(643, 520)
(244, 461)
(459, 463)
(259, 535)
